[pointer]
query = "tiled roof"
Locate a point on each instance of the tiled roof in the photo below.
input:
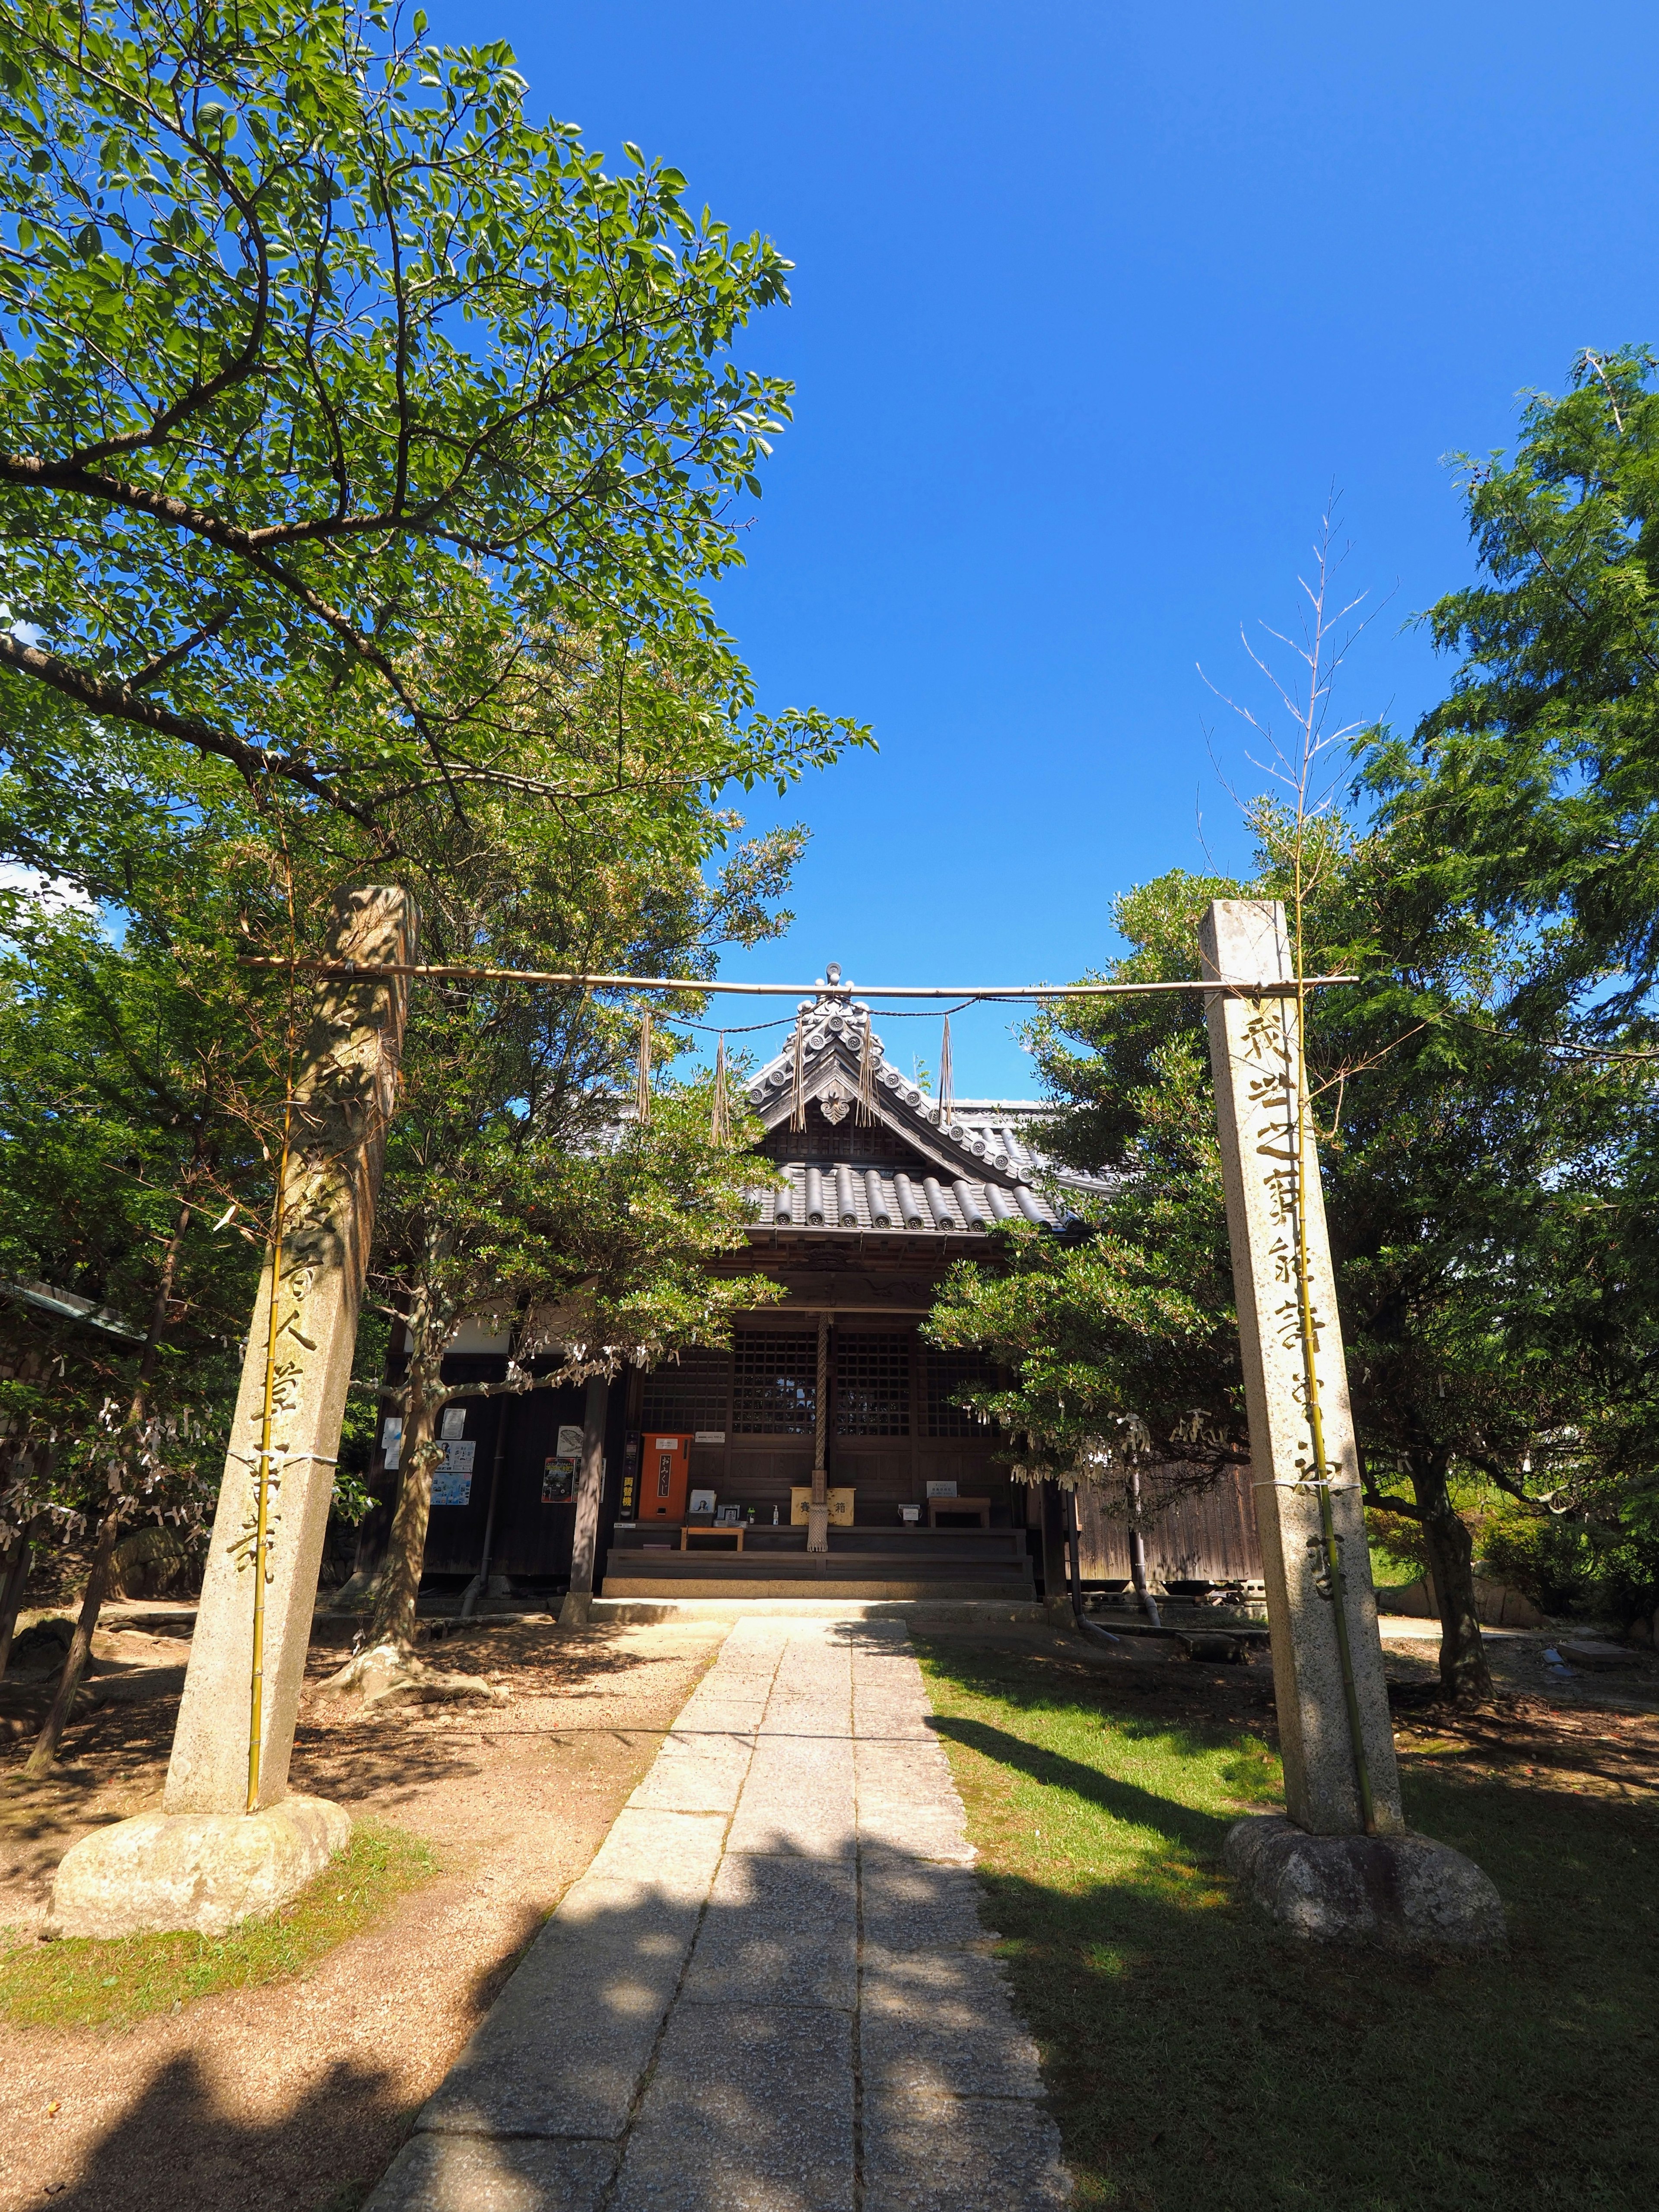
(838, 1195)
(984, 1168)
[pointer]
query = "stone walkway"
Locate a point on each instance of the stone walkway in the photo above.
(771, 1991)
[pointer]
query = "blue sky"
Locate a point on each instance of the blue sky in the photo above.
(1092, 306)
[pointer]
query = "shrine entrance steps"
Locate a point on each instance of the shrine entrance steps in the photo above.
(898, 1564)
(932, 1611)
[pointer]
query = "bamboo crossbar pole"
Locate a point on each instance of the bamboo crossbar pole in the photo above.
(435, 972)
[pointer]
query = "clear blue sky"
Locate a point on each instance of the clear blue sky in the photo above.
(1092, 304)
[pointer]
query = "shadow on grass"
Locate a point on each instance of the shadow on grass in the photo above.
(1201, 2058)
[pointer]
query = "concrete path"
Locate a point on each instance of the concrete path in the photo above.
(771, 1991)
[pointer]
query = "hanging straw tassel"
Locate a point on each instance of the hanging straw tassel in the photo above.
(642, 1089)
(944, 1076)
(866, 1105)
(720, 1125)
(798, 1107)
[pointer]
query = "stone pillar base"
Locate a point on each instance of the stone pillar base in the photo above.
(818, 1527)
(1400, 1892)
(200, 1871)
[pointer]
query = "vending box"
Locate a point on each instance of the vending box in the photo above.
(664, 1475)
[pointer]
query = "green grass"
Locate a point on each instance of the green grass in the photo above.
(1201, 2060)
(83, 1982)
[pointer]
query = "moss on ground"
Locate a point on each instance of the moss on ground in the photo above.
(81, 1982)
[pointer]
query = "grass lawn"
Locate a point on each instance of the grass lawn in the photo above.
(1200, 2060)
(84, 1983)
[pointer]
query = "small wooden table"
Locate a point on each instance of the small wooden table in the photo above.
(979, 1507)
(712, 1529)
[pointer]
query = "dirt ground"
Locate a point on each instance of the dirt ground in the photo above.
(1596, 1734)
(293, 2097)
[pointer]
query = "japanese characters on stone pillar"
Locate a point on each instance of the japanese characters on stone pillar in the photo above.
(342, 1100)
(1253, 1055)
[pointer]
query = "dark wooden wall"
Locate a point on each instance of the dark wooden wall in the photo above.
(1210, 1533)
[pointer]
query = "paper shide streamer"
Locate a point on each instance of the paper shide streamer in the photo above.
(642, 1087)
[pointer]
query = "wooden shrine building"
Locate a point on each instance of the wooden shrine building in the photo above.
(857, 1216)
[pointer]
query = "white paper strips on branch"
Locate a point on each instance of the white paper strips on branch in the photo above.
(944, 1076)
(642, 1089)
(866, 1104)
(719, 1122)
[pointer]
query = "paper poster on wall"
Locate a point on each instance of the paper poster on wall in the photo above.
(569, 1445)
(452, 1479)
(454, 1423)
(392, 1441)
(558, 1480)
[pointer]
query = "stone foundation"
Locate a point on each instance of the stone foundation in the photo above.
(200, 1871)
(1400, 1892)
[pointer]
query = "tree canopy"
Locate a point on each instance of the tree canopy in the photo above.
(336, 392)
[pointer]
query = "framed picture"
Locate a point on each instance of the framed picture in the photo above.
(558, 1482)
(701, 1503)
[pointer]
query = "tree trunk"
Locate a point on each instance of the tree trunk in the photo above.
(398, 1584)
(1138, 1553)
(80, 1650)
(11, 1590)
(1464, 1674)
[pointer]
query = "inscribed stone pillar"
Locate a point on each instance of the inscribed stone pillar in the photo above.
(343, 1101)
(1253, 1053)
(578, 1606)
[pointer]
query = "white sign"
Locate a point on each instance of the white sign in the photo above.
(454, 1423)
(710, 1435)
(570, 1441)
(391, 1438)
(941, 1489)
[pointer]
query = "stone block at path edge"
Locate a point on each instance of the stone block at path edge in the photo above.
(197, 1871)
(1396, 1892)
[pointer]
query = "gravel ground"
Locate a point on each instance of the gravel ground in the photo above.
(293, 2097)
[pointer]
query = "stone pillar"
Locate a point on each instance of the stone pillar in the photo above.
(204, 1861)
(1253, 1053)
(343, 1101)
(818, 1505)
(578, 1606)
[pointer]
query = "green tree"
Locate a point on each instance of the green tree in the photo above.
(335, 392)
(124, 1162)
(514, 1180)
(1530, 794)
(1480, 1192)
